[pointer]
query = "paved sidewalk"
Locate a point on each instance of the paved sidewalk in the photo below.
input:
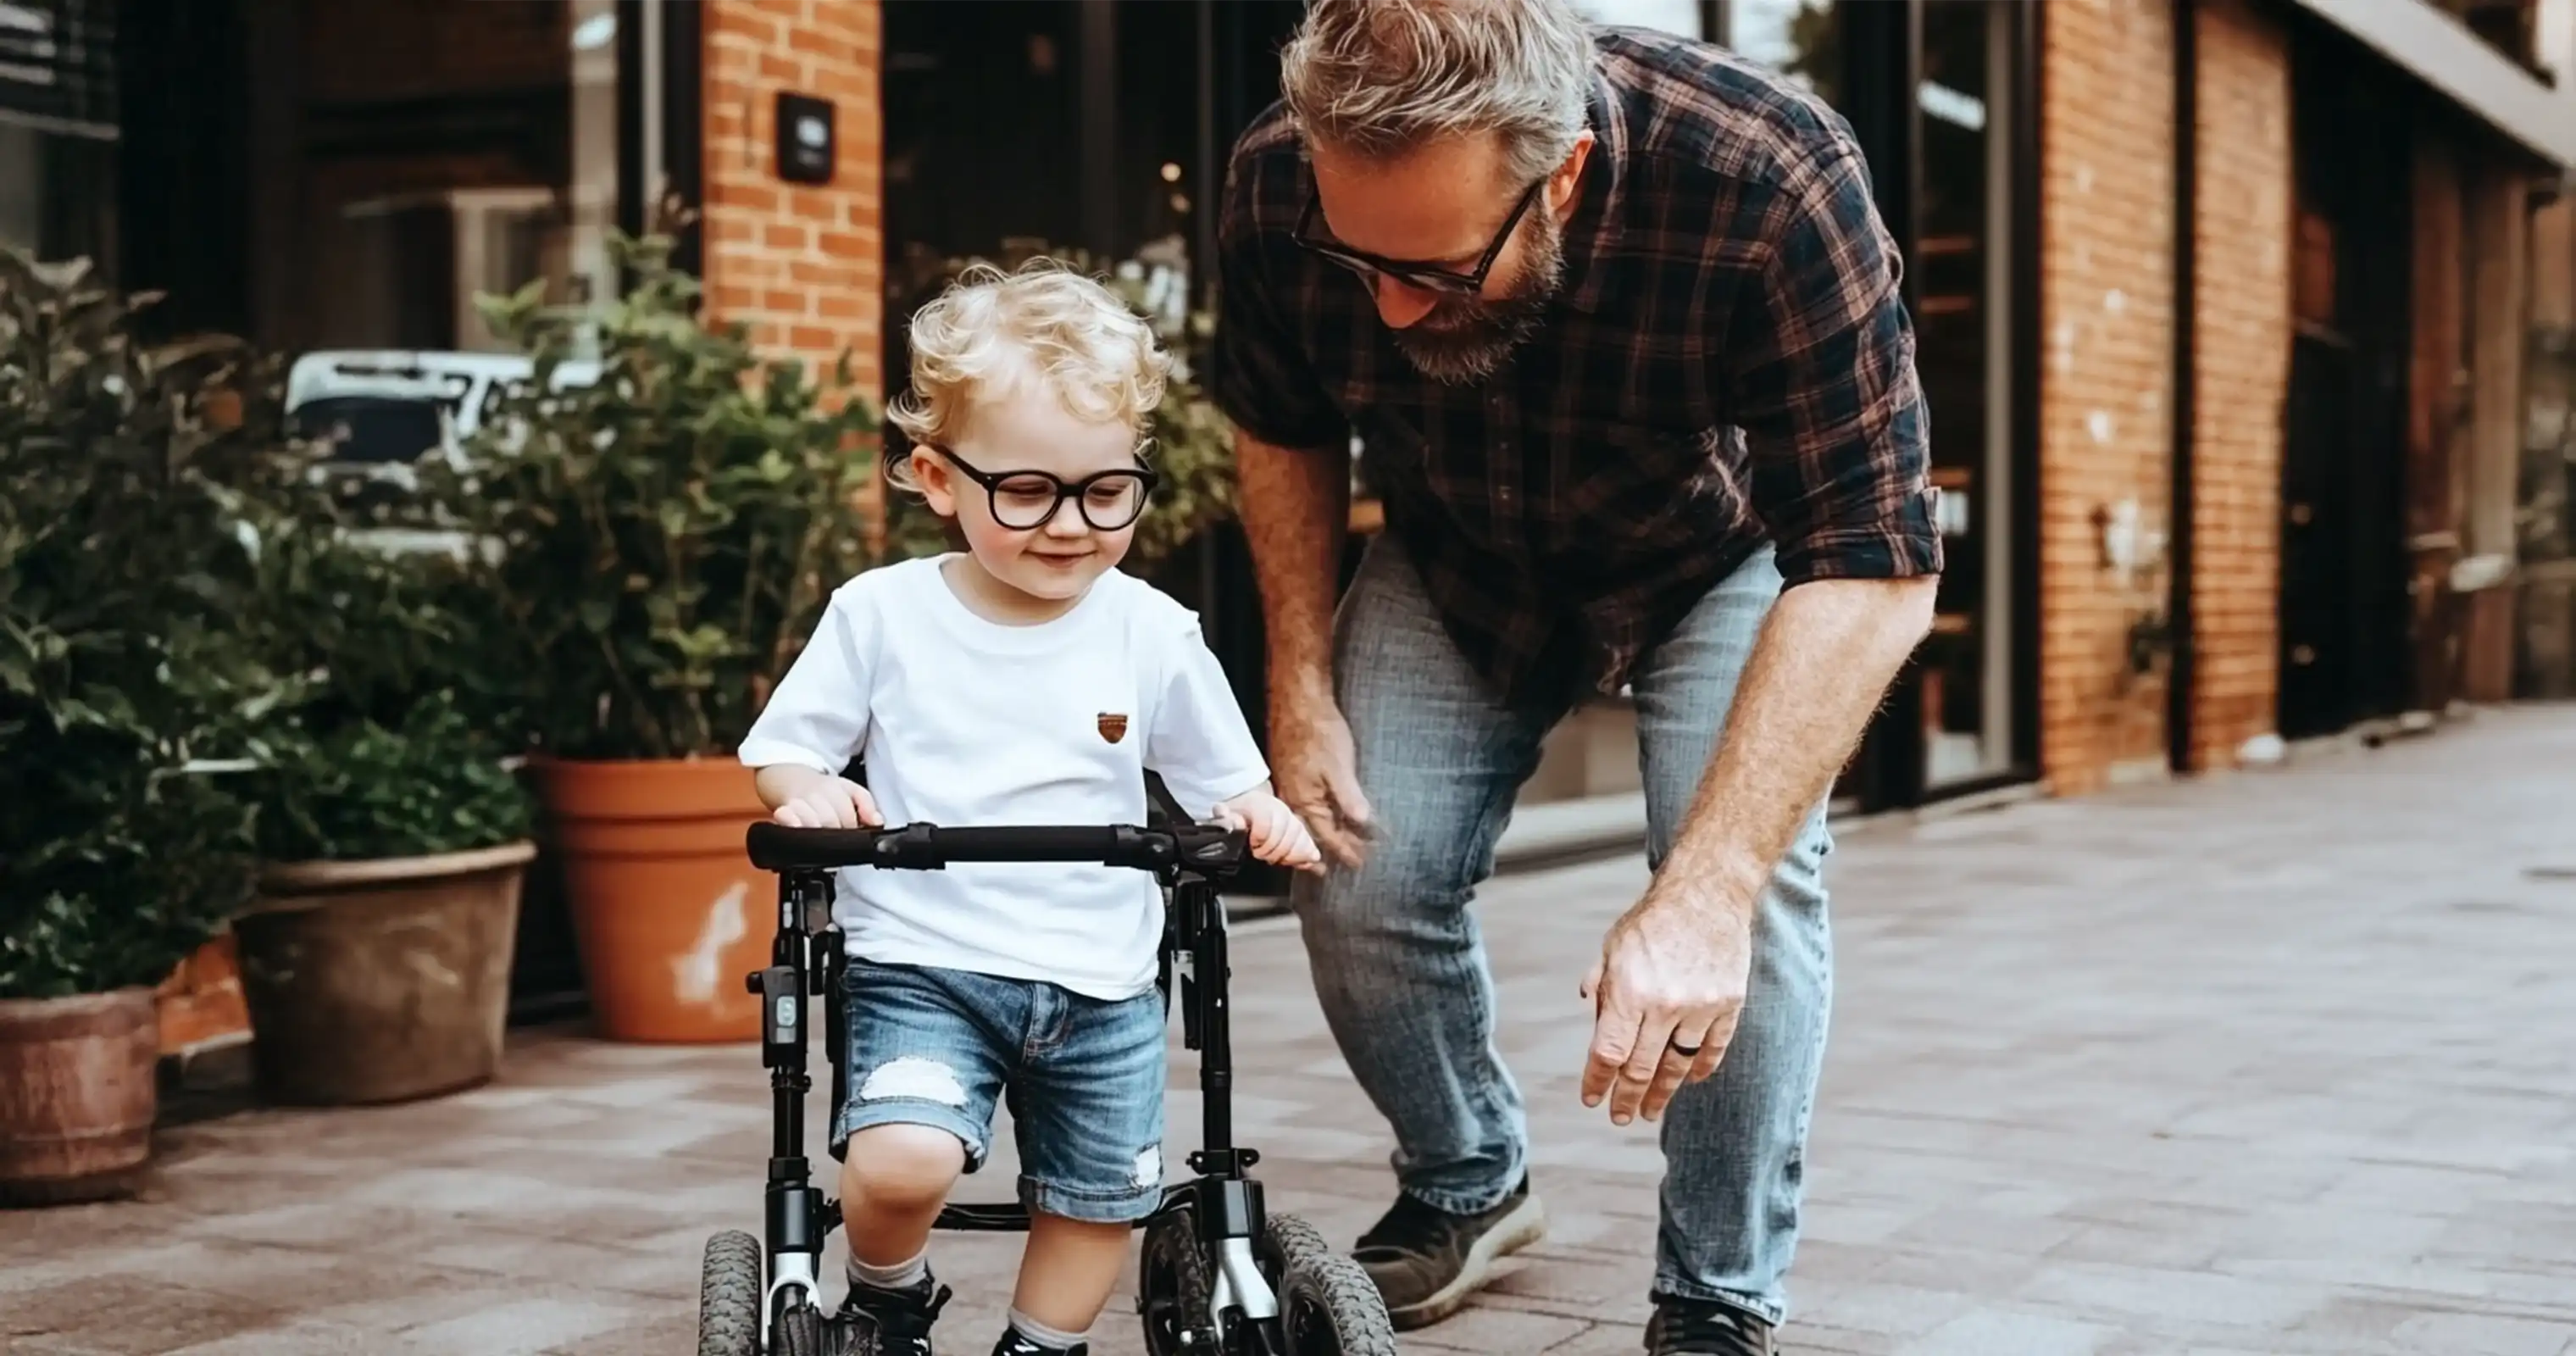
(2275, 1063)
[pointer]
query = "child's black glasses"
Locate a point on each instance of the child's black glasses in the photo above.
(1024, 500)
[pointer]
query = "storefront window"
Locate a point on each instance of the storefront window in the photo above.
(983, 134)
(57, 194)
(594, 187)
(441, 160)
(58, 130)
(1962, 265)
(1685, 17)
(1802, 39)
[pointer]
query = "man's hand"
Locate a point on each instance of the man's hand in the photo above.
(1272, 830)
(1666, 994)
(1296, 510)
(1316, 766)
(1675, 968)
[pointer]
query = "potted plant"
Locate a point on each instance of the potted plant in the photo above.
(393, 832)
(124, 550)
(657, 536)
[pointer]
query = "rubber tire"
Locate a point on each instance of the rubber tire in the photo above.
(1331, 1287)
(1330, 1296)
(1170, 1257)
(802, 1332)
(1287, 1240)
(729, 1294)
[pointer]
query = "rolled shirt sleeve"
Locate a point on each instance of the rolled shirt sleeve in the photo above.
(1258, 373)
(1821, 377)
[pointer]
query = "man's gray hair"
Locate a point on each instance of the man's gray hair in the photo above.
(1378, 78)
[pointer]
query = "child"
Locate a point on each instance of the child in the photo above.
(1024, 680)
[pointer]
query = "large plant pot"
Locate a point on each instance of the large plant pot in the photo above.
(668, 910)
(380, 981)
(77, 1095)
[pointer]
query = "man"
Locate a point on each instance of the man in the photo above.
(1618, 331)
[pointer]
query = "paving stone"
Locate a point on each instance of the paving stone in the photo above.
(1991, 1332)
(2484, 1335)
(2260, 1065)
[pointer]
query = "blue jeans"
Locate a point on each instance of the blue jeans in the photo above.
(936, 1047)
(1400, 964)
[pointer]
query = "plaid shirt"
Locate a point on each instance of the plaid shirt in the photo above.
(1729, 363)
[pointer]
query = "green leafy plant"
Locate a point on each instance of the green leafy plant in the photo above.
(427, 782)
(657, 529)
(1190, 444)
(129, 539)
(391, 738)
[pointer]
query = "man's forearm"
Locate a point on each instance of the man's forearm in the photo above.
(1296, 506)
(1819, 668)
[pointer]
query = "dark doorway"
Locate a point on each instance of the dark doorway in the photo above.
(2343, 606)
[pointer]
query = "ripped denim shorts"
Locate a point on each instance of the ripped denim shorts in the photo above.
(935, 1047)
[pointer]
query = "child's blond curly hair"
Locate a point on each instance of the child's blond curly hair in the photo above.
(991, 330)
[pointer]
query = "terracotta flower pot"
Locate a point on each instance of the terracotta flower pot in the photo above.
(77, 1095)
(380, 981)
(668, 909)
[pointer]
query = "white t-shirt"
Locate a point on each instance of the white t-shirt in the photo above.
(966, 722)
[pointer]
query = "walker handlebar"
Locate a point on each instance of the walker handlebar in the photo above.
(1207, 848)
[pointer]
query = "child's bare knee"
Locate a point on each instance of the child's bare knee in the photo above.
(902, 1166)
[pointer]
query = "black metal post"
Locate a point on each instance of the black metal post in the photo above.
(2179, 619)
(795, 1206)
(1216, 1053)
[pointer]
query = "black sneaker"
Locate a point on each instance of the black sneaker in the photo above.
(1426, 1262)
(1683, 1327)
(1016, 1343)
(882, 1322)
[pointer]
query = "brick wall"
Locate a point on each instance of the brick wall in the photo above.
(803, 265)
(2241, 347)
(2106, 302)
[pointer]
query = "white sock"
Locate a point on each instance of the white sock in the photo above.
(902, 1275)
(1043, 1335)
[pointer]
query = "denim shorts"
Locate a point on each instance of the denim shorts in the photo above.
(1086, 1077)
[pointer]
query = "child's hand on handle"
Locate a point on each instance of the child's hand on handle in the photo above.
(830, 803)
(1274, 832)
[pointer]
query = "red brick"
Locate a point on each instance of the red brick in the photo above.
(2241, 346)
(778, 256)
(2107, 119)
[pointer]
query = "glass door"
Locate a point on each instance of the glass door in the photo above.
(1802, 39)
(1962, 261)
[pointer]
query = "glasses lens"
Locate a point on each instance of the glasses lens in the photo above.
(1113, 501)
(1447, 283)
(1444, 283)
(1023, 501)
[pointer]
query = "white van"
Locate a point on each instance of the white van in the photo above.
(381, 411)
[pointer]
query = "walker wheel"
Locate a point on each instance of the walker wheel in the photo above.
(801, 1332)
(1173, 1290)
(1328, 1306)
(729, 1296)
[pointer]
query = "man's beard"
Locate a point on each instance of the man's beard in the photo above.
(1464, 339)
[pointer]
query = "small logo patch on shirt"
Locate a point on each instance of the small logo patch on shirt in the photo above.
(1113, 726)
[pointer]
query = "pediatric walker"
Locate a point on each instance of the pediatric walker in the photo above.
(1217, 1274)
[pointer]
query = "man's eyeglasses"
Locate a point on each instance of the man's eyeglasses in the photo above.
(1424, 276)
(1023, 500)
